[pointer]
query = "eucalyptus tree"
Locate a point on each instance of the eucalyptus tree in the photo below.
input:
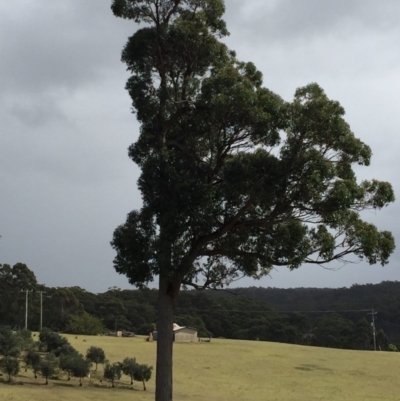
(234, 180)
(12, 281)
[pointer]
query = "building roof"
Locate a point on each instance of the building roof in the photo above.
(176, 327)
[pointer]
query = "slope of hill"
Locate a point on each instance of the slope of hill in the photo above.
(232, 370)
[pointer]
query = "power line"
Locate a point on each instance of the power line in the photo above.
(274, 311)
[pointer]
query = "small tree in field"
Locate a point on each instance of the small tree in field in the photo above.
(66, 363)
(143, 374)
(96, 355)
(129, 367)
(9, 343)
(113, 372)
(48, 366)
(32, 359)
(79, 366)
(25, 339)
(10, 366)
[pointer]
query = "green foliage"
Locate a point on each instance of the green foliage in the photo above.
(9, 342)
(362, 338)
(143, 374)
(52, 340)
(12, 281)
(146, 328)
(32, 359)
(65, 363)
(79, 366)
(65, 349)
(10, 366)
(136, 371)
(63, 304)
(84, 324)
(48, 366)
(381, 340)
(234, 180)
(129, 367)
(96, 355)
(195, 322)
(334, 331)
(25, 339)
(113, 372)
(392, 348)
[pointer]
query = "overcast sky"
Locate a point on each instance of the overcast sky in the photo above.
(66, 180)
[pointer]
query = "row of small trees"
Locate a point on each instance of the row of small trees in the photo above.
(58, 353)
(54, 352)
(129, 366)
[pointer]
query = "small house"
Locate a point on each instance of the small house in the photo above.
(185, 334)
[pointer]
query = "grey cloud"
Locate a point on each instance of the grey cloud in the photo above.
(59, 47)
(283, 20)
(35, 111)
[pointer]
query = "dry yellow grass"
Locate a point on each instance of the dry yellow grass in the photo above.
(227, 370)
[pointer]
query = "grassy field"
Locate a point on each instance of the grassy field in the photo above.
(227, 370)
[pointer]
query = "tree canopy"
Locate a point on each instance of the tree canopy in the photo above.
(129, 367)
(79, 366)
(12, 281)
(32, 359)
(113, 372)
(235, 180)
(48, 366)
(96, 355)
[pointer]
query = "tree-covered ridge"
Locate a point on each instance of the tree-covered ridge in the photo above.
(253, 313)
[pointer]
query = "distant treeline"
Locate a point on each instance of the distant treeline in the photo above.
(297, 316)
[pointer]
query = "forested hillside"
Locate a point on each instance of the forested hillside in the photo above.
(322, 317)
(383, 298)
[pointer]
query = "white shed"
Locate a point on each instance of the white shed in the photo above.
(185, 334)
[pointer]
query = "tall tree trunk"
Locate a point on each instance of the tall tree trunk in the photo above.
(164, 341)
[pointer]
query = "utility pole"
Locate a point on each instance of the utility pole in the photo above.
(41, 309)
(373, 314)
(26, 309)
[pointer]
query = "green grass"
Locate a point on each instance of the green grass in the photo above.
(227, 370)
